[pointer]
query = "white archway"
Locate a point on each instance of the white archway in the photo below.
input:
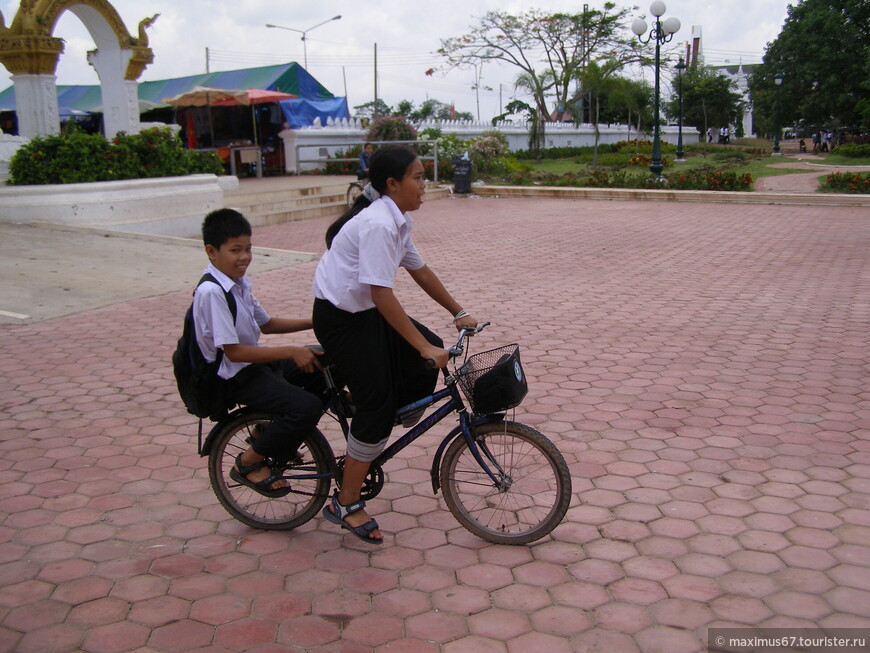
(30, 52)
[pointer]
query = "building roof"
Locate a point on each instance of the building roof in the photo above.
(287, 78)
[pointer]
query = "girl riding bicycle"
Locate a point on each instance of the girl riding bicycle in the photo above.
(379, 350)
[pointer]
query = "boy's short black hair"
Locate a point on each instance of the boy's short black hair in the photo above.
(221, 225)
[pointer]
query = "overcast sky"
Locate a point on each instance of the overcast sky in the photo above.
(407, 33)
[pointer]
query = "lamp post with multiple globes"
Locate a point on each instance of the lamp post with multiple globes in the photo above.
(681, 66)
(777, 80)
(661, 32)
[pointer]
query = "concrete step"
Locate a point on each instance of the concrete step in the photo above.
(274, 201)
(278, 203)
(276, 193)
(259, 217)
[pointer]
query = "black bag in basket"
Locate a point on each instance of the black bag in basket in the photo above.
(501, 387)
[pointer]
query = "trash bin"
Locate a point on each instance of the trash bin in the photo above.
(462, 173)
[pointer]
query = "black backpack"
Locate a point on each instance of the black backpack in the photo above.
(200, 387)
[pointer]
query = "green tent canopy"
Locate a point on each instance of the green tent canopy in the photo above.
(286, 78)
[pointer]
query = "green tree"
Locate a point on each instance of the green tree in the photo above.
(629, 102)
(549, 49)
(823, 52)
(598, 80)
(391, 128)
(430, 110)
(370, 109)
(710, 99)
(536, 131)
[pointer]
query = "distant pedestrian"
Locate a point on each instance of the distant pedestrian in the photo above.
(709, 134)
(362, 170)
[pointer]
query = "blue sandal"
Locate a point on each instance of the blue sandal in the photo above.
(339, 512)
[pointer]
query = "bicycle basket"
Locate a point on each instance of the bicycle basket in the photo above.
(493, 380)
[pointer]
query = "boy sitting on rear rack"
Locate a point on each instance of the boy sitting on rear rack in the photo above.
(270, 379)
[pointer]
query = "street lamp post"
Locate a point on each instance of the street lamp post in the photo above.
(681, 66)
(777, 80)
(304, 32)
(661, 32)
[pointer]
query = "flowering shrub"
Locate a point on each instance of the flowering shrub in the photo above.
(702, 179)
(488, 152)
(154, 152)
(644, 146)
(709, 179)
(445, 169)
(344, 167)
(81, 158)
(449, 145)
(72, 159)
(849, 182)
(391, 128)
(854, 150)
(646, 160)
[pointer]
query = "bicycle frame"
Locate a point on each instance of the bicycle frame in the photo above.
(453, 403)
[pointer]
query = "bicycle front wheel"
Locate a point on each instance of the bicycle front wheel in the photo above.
(533, 492)
(309, 477)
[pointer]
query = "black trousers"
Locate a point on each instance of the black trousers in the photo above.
(382, 371)
(291, 395)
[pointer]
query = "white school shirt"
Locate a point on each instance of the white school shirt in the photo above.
(368, 251)
(214, 322)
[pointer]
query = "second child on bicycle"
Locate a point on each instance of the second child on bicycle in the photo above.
(281, 380)
(379, 350)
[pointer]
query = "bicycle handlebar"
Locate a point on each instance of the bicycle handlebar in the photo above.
(459, 347)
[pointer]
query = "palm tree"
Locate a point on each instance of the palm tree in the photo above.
(631, 98)
(537, 116)
(597, 80)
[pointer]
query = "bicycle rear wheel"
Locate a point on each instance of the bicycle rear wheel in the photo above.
(532, 496)
(307, 495)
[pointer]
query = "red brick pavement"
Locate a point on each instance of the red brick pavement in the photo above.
(703, 368)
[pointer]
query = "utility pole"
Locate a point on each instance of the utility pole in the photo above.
(583, 46)
(206, 60)
(375, 108)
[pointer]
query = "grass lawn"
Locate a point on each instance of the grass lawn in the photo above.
(756, 167)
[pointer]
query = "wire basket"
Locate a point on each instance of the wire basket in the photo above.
(493, 381)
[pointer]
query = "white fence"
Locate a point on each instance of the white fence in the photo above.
(321, 142)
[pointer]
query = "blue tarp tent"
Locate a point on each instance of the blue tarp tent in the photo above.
(301, 113)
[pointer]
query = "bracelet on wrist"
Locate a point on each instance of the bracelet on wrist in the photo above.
(461, 314)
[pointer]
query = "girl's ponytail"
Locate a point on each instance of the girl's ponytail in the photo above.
(389, 162)
(361, 203)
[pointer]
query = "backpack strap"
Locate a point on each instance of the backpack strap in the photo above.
(231, 304)
(231, 300)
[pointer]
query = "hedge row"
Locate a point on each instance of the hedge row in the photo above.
(81, 158)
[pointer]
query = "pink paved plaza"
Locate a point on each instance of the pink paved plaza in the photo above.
(703, 368)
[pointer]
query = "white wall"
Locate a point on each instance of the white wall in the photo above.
(171, 206)
(319, 142)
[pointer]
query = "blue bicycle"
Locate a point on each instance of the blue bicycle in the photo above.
(502, 480)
